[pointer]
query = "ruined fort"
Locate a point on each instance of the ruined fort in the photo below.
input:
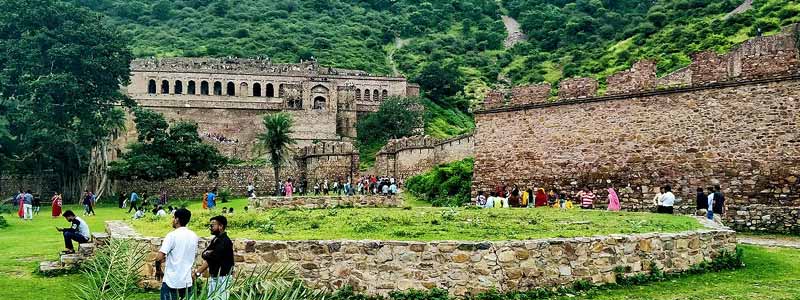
(228, 97)
(730, 119)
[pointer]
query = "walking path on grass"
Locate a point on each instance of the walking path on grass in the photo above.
(770, 241)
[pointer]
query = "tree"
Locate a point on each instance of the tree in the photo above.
(277, 140)
(163, 151)
(60, 72)
(395, 118)
(440, 80)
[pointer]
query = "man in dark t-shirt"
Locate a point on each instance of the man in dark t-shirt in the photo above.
(218, 259)
(719, 201)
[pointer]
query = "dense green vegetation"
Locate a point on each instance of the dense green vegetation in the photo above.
(445, 185)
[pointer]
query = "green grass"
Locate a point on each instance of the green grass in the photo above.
(426, 223)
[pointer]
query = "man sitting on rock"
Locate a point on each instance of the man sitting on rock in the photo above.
(78, 231)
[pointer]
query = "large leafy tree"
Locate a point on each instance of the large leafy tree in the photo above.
(395, 118)
(60, 72)
(277, 141)
(163, 151)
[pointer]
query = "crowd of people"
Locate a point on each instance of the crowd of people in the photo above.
(366, 185)
(219, 138)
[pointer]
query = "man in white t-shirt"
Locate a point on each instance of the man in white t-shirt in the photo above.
(178, 249)
(667, 200)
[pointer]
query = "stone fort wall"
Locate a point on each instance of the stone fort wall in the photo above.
(738, 127)
(406, 157)
(379, 267)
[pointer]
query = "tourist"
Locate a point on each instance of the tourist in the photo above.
(541, 198)
(613, 200)
(78, 231)
(667, 200)
(138, 214)
(503, 201)
(384, 189)
(393, 188)
(480, 200)
(562, 201)
(702, 200)
(360, 188)
(288, 188)
(56, 202)
(121, 201)
(87, 203)
(27, 205)
(245, 209)
(710, 204)
(490, 201)
(218, 260)
(657, 200)
(325, 187)
(37, 204)
(20, 200)
(212, 196)
(205, 200)
(251, 190)
(160, 212)
(162, 199)
(719, 202)
(513, 197)
(230, 211)
(523, 200)
(586, 196)
(178, 250)
(552, 198)
(224, 210)
(316, 189)
(134, 201)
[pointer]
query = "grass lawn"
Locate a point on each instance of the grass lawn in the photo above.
(770, 273)
(424, 223)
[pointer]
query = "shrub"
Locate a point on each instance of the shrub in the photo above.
(3, 222)
(445, 185)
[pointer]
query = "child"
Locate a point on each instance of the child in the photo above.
(224, 210)
(562, 201)
(139, 214)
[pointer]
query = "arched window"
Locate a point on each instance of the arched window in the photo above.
(151, 87)
(230, 89)
(319, 102)
(164, 87)
(270, 90)
(217, 88)
(366, 95)
(256, 89)
(384, 95)
(375, 95)
(358, 94)
(281, 92)
(204, 87)
(190, 88)
(178, 87)
(243, 89)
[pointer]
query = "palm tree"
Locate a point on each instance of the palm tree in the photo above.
(277, 139)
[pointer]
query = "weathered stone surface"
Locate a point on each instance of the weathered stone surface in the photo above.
(406, 157)
(326, 202)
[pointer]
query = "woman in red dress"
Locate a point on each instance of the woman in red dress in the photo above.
(541, 198)
(21, 201)
(56, 205)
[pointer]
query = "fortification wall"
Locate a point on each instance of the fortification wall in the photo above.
(741, 132)
(378, 267)
(331, 161)
(407, 157)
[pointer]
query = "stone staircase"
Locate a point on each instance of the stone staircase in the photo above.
(71, 262)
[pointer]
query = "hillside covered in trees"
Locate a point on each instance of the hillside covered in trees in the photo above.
(452, 48)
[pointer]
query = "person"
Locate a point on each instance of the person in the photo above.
(230, 211)
(87, 203)
(212, 195)
(702, 200)
(224, 210)
(384, 189)
(77, 231)
(288, 188)
(393, 188)
(37, 204)
(134, 202)
(178, 250)
(667, 200)
(552, 198)
(586, 197)
(325, 187)
(480, 199)
(218, 260)
(138, 214)
(27, 202)
(541, 198)
(162, 199)
(719, 201)
(56, 204)
(490, 201)
(316, 189)
(161, 212)
(121, 201)
(657, 200)
(562, 201)
(710, 204)
(205, 200)
(245, 209)
(20, 200)
(251, 189)
(613, 200)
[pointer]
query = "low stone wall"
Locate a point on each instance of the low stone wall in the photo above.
(764, 218)
(377, 267)
(327, 201)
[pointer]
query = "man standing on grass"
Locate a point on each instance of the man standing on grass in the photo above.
(218, 260)
(28, 205)
(212, 196)
(77, 231)
(178, 250)
(134, 202)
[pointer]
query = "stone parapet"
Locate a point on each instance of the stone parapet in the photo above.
(378, 267)
(641, 77)
(573, 88)
(327, 201)
(764, 218)
(406, 157)
(527, 94)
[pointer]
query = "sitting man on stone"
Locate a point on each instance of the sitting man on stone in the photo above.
(78, 231)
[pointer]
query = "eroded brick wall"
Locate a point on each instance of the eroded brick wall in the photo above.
(407, 157)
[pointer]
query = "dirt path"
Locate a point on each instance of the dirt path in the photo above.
(745, 6)
(515, 34)
(770, 241)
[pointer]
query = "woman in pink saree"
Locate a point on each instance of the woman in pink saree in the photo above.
(613, 200)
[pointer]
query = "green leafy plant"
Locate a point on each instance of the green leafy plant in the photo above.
(445, 185)
(3, 222)
(113, 272)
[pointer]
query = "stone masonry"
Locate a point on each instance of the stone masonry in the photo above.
(378, 267)
(740, 130)
(406, 157)
(313, 202)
